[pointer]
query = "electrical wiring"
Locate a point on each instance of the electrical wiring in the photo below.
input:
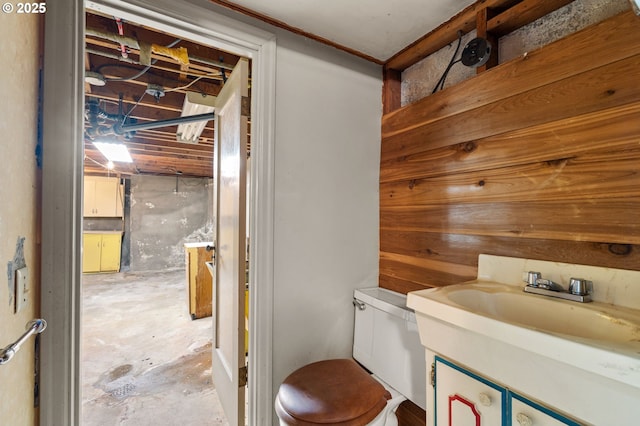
(452, 62)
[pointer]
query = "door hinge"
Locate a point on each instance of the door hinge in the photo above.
(433, 374)
(245, 106)
(243, 376)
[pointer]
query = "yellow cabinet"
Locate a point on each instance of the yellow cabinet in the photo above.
(103, 197)
(91, 251)
(199, 280)
(101, 251)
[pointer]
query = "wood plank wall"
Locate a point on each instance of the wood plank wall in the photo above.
(537, 158)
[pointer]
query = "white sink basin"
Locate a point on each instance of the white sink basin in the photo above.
(595, 323)
(583, 358)
(595, 336)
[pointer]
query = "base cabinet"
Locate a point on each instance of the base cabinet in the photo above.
(464, 398)
(199, 280)
(527, 413)
(101, 252)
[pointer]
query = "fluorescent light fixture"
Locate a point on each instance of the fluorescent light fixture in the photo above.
(194, 104)
(116, 152)
(635, 5)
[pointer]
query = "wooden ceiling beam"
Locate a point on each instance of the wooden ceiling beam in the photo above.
(139, 32)
(194, 69)
(154, 151)
(170, 84)
(522, 14)
(511, 14)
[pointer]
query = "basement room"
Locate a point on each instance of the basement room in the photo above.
(234, 212)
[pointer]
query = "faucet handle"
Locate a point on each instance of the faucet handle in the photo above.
(580, 286)
(532, 278)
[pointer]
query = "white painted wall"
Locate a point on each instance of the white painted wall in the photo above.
(326, 231)
(328, 111)
(18, 207)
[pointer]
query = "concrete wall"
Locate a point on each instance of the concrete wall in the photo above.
(162, 219)
(19, 232)
(419, 80)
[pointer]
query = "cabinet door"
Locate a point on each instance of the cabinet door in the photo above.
(91, 248)
(110, 256)
(466, 399)
(89, 197)
(103, 197)
(525, 412)
(106, 196)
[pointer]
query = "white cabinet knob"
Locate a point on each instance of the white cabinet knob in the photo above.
(484, 399)
(524, 420)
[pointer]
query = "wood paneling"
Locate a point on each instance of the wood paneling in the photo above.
(537, 158)
(596, 46)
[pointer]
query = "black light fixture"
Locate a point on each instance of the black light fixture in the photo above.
(476, 53)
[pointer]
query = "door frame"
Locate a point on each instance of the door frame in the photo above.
(62, 168)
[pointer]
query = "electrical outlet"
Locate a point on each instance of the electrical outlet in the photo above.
(22, 281)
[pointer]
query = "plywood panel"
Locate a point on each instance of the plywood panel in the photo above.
(460, 253)
(606, 87)
(464, 249)
(567, 180)
(603, 131)
(612, 220)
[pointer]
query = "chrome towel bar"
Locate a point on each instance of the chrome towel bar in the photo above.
(35, 326)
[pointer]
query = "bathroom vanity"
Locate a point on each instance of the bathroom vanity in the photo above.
(497, 355)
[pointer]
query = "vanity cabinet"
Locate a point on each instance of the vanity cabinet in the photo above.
(525, 412)
(463, 397)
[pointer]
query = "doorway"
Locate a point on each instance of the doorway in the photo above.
(60, 388)
(153, 94)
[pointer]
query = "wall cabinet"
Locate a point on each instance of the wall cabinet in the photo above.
(465, 398)
(103, 197)
(101, 251)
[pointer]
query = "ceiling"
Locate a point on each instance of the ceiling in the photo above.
(137, 93)
(147, 96)
(376, 29)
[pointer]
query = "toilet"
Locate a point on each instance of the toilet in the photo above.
(342, 391)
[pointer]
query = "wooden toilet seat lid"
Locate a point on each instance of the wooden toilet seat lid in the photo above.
(336, 391)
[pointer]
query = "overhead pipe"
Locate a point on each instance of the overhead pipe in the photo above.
(126, 128)
(95, 129)
(120, 39)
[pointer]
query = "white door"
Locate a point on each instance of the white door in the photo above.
(228, 364)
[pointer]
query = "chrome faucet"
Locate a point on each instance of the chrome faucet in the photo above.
(579, 289)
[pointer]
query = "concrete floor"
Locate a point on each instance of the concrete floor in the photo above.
(144, 361)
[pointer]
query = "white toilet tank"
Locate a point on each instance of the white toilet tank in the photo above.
(387, 343)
